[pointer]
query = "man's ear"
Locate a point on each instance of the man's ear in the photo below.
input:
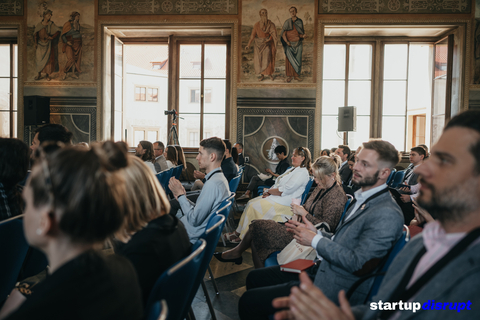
(48, 222)
(213, 157)
(385, 173)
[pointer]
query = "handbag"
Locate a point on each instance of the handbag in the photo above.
(294, 250)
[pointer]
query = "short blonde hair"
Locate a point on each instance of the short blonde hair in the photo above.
(325, 166)
(146, 199)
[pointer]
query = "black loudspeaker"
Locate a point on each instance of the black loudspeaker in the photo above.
(347, 119)
(37, 110)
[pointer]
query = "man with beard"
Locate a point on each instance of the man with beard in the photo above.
(292, 36)
(72, 45)
(264, 38)
(372, 224)
(442, 263)
(45, 39)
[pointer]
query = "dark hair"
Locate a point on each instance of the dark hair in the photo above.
(280, 149)
(148, 155)
(85, 189)
(304, 152)
(332, 150)
(469, 119)
(240, 144)
(172, 154)
(160, 144)
(54, 132)
(296, 11)
(352, 157)
(214, 144)
(235, 155)
(420, 151)
(180, 156)
(345, 149)
(386, 151)
(14, 161)
(228, 145)
(325, 150)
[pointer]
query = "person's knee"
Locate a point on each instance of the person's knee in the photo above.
(252, 279)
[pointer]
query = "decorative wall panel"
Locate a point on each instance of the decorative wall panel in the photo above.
(394, 6)
(264, 123)
(78, 114)
(121, 7)
(11, 7)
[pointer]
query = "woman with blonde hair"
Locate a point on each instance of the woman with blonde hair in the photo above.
(274, 204)
(151, 239)
(325, 204)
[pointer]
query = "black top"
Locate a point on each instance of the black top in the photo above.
(345, 173)
(154, 249)
(241, 159)
(229, 168)
(282, 166)
(90, 287)
(10, 202)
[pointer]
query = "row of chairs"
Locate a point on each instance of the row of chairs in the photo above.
(179, 284)
(164, 176)
(395, 178)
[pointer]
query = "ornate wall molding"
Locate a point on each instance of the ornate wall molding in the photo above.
(11, 7)
(394, 6)
(168, 7)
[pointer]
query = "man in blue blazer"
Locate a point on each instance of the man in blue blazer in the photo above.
(438, 271)
(372, 224)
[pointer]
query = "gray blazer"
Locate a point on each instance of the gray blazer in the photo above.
(458, 281)
(359, 244)
(161, 163)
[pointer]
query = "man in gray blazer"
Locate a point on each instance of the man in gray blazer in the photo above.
(450, 193)
(160, 161)
(372, 224)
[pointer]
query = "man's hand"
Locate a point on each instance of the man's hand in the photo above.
(404, 189)
(309, 303)
(269, 171)
(302, 232)
(421, 214)
(198, 175)
(176, 187)
(405, 198)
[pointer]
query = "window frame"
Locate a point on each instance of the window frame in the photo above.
(13, 125)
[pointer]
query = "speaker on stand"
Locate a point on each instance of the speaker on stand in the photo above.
(36, 111)
(347, 121)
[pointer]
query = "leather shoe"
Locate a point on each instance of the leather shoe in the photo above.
(244, 196)
(218, 256)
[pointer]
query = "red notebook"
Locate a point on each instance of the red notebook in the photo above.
(297, 266)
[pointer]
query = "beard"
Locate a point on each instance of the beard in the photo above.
(453, 203)
(263, 21)
(367, 181)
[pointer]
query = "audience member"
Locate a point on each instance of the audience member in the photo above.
(332, 150)
(442, 262)
(172, 156)
(144, 151)
(235, 156)
(325, 204)
(325, 152)
(160, 161)
(152, 239)
(51, 132)
(195, 215)
(372, 224)
(241, 159)
(256, 181)
(275, 202)
(74, 201)
(181, 160)
(350, 188)
(229, 169)
(14, 161)
(345, 173)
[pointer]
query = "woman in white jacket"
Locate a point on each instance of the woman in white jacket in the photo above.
(275, 202)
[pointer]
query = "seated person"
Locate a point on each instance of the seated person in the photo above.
(275, 202)
(171, 156)
(448, 195)
(14, 162)
(350, 188)
(345, 172)
(239, 147)
(195, 215)
(160, 161)
(372, 225)
(325, 204)
(256, 181)
(74, 201)
(181, 160)
(150, 238)
(229, 168)
(144, 151)
(50, 132)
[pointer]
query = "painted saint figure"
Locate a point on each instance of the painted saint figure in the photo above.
(264, 38)
(292, 36)
(45, 38)
(72, 45)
